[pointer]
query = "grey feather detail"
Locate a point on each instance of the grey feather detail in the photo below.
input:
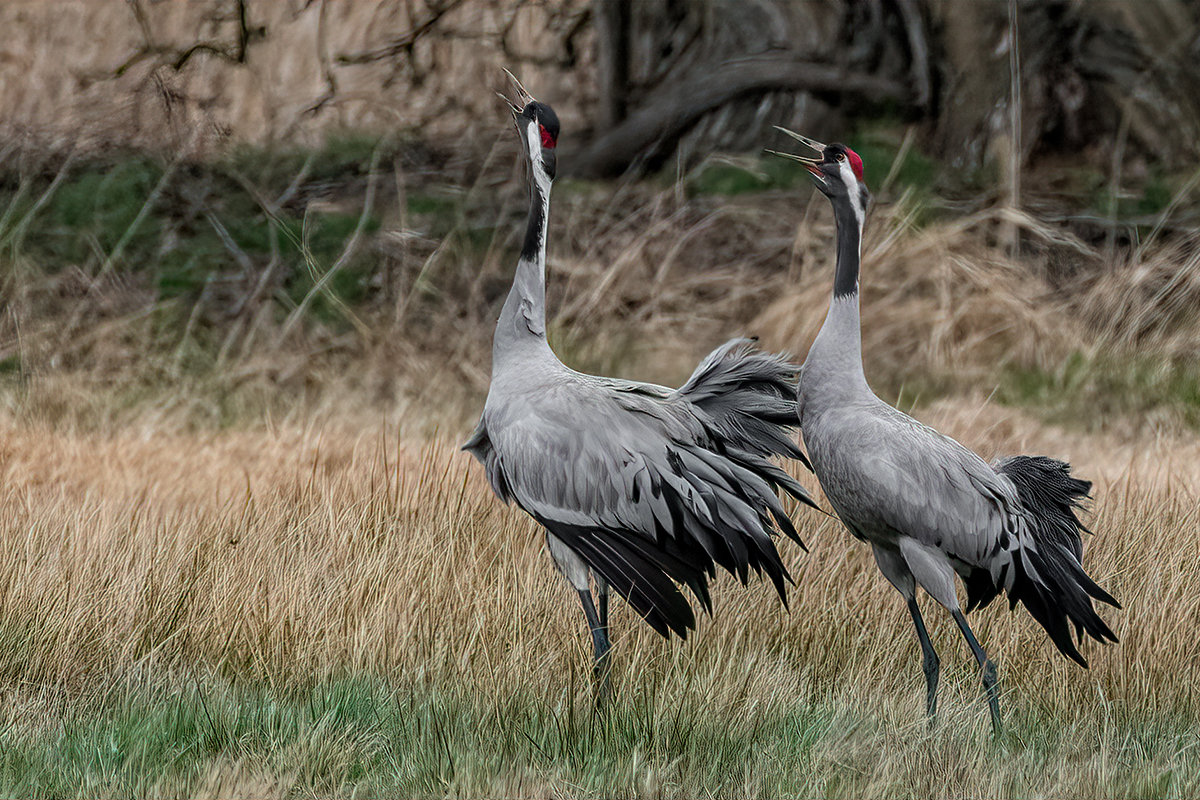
(480, 446)
(747, 398)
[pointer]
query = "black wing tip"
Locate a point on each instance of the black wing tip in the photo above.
(1076, 656)
(1050, 496)
(1094, 590)
(805, 498)
(640, 576)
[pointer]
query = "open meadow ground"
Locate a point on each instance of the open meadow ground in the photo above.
(324, 607)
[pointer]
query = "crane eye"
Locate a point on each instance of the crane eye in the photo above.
(841, 156)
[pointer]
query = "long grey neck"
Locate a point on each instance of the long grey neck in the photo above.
(835, 360)
(521, 330)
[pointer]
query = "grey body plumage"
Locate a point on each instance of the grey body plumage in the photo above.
(648, 485)
(640, 485)
(930, 508)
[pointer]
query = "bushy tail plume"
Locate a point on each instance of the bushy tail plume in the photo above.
(746, 400)
(1048, 577)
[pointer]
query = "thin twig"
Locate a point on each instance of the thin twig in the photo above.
(1118, 159)
(402, 45)
(351, 249)
(909, 137)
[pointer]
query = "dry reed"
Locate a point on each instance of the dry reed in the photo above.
(288, 557)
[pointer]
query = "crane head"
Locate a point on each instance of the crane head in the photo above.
(838, 172)
(538, 126)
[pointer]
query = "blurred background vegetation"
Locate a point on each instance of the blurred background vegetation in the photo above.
(222, 208)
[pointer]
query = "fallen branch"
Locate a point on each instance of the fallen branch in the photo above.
(674, 108)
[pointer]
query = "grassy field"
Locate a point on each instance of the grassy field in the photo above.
(338, 609)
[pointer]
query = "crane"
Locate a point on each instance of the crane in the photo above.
(636, 484)
(929, 507)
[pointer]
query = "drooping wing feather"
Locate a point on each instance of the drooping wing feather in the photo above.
(1048, 577)
(747, 398)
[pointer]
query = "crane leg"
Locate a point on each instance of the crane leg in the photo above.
(602, 660)
(985, 664)
(930, 661)
(602, 601)
(600, 647)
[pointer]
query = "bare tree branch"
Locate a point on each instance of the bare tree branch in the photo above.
(918, 50)
(673, 108)
(235, 52)
(402, 45)
(331, 85)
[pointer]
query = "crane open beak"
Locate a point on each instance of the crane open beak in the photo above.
(810, 163)
(524, 98)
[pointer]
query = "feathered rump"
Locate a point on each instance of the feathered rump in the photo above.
(1048, 577)
(746, 400)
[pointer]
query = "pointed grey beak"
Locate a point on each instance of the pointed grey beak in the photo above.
(813, 143)
(811, 163)
(524, 98)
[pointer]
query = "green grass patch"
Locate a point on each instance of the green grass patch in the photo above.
(94, 210)
(1156, 193)
(342, 154)
(204, 225)
(364, 736)
(432, 204)
(1083, 392)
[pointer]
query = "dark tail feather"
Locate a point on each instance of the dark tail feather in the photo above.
(1049, 580)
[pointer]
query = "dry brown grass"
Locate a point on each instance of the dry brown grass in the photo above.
(643, 279)
(287, 557)
(937, 301)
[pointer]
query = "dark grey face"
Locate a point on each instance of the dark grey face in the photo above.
(547, 132)
(839, 177)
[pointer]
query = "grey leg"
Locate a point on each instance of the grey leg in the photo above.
(985, 664)
(600, 647)
(602, 601)
(929, 663)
